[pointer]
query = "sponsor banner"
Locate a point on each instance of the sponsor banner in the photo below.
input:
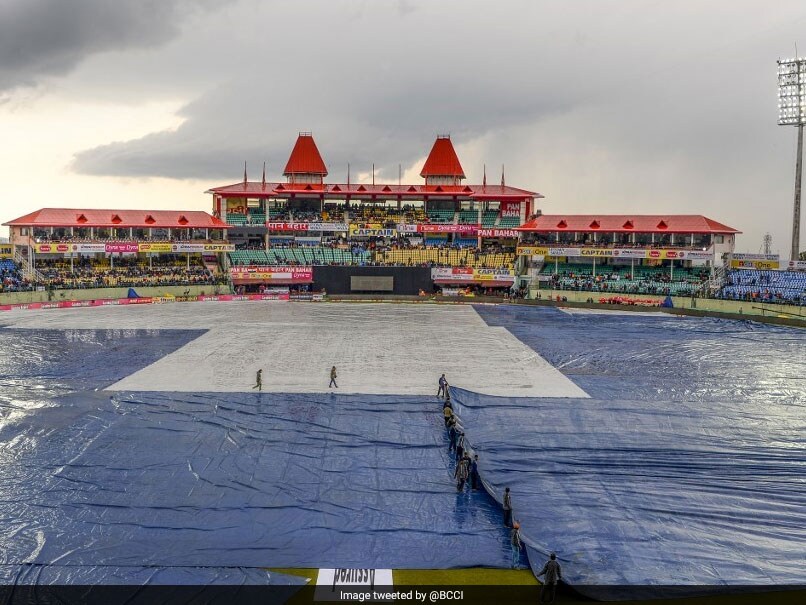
(129, 247)
(510, 209)
(236, 206)
(742, 256)
(156, 247)
(493, 275)
(447, 291)
(536, 251)
(6, 251)
(51, 248)
(467, 275)
(679, 254)
(498, 233)
(584, 252)
(638, 253)
(255, 273)
(202, 248)
(407, 228)
(122, 247)
(280, 226)
(796, 265)
(240, 297)
(754, 264)
(629, 253)
(327, 226)
(452, 273)
(371, 231)
(311, 296)
(471, 229)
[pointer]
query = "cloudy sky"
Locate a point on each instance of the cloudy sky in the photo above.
(603, 106)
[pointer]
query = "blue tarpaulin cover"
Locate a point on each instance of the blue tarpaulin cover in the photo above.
(686, 466)
(106, 484)
(132, 293)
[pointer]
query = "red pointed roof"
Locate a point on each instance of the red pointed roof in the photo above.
(305, 157)
(442, 161)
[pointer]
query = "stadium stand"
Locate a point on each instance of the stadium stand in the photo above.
(489, 218)
(308, 255)
(508, 222)
(169, 271)
(440, 216)
(765, 286)
(610, 278)
(468, 217)
(11, 279)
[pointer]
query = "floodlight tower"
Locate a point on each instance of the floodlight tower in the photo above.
(792, 112)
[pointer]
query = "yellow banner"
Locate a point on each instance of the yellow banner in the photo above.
(493, 275)
(6, 251)
(236, 206)
(755, 264)
(533, 250)
(161, 247)
(371, 230)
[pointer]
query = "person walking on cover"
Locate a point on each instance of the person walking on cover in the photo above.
(460, 446)
(515, 543)
(333, 377)
(475, 480)
(461, 473)
(443, 382)
(507, 508)
(259, 380)
(553, 575)
(447, 412)
(452, 433)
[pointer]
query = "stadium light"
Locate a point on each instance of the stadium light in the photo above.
(792, 112)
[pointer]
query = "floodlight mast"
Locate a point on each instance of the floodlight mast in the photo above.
(792, 112)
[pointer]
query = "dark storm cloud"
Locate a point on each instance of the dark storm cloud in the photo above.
(50, 37)
(627, 105)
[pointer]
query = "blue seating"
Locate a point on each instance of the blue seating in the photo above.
(765, 286)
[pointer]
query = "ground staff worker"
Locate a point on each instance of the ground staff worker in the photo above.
(443, 383)
(553, 575)
(461, 473)
(507, 508)
(515, 542)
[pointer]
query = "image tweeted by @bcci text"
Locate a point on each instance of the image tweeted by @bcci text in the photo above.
(385, 594)
(376, 586)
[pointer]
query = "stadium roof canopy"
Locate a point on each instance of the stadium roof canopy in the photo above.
(626, 223)
(379, 191)
(154, 219)
(305, 157)
(442, 161)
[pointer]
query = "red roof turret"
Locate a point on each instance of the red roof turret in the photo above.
(442, 161)
(305, 158)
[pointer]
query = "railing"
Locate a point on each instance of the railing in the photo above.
(29, 272)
